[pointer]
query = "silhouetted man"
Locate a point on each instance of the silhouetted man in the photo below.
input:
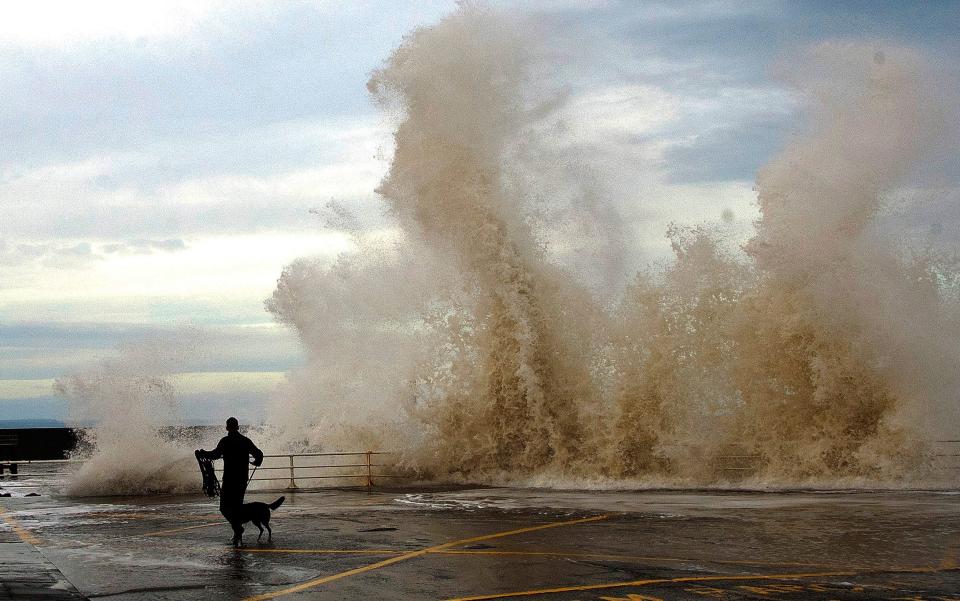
(235, 449)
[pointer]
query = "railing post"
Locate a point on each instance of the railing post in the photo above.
(293, 483)
(369, 472)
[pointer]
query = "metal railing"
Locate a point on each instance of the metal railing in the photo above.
(942, 454)
(362, 469)
(362, 466)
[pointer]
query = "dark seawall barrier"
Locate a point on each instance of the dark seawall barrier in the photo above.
(19, 444)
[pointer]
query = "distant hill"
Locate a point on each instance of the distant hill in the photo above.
(30, 423)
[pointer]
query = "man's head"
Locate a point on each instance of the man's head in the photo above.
(232, 424)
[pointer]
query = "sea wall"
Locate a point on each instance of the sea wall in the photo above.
(36, 443)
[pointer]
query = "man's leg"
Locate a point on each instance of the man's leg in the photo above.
(231, 498)
(237, 508)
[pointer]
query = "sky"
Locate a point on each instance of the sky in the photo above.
(160, 163)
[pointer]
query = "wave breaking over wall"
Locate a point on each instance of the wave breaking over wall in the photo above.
(126, 401)
(825, 351)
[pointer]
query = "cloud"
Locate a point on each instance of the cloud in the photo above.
(58, 23)
(144, 247)
(76, 255)
(48, 407)
(237, 68)
(56, 255)
(214, 280)
(618, 114)
(38, 351)
(206, 397)
(25, 389)
(137, 196)
(729, 152)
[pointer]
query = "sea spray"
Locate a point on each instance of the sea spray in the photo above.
(122, 404)
(362, 322)
(456, 90)
(820, 354)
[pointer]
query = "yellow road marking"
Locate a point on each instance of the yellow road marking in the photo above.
(121, 515)
(575, 554)
(716, 578)
(172, 530)
(560, 554)
(20, 531)
(950, 558)
(406, 556)
(589, 587)
(118, 515)
(324, 551)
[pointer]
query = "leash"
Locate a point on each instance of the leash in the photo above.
(251, 474)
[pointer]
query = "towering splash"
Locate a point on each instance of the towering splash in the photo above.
(457, 90)
(825, 352)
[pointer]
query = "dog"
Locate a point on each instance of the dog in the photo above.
(259, 514)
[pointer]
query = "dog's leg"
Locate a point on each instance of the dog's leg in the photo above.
(269, 531)
(257, 524)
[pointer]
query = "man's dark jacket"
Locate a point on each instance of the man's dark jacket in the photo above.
(235, 449)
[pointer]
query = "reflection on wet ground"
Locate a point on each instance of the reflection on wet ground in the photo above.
(504, 543)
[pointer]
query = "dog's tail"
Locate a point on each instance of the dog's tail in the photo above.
(276, 503)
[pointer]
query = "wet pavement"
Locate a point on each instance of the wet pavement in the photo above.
(504, 544)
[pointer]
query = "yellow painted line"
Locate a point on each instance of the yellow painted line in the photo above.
(126, 515)
(589, 587)
(558, 554)
(324, 551)
(119, 516)
(178, 516)
(574, 554)
(20, 531)
(406, 556)
(172, 530)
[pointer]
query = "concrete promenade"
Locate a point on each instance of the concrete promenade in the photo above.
(24, 572)
(473, 544)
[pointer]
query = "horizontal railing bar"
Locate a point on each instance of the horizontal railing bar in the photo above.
(285, 455)
(307, 467)
(310, 467)
(330, 476)
(299, 477)
(332, 454)
(39, 461)
(316, 477)
(219, 471)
